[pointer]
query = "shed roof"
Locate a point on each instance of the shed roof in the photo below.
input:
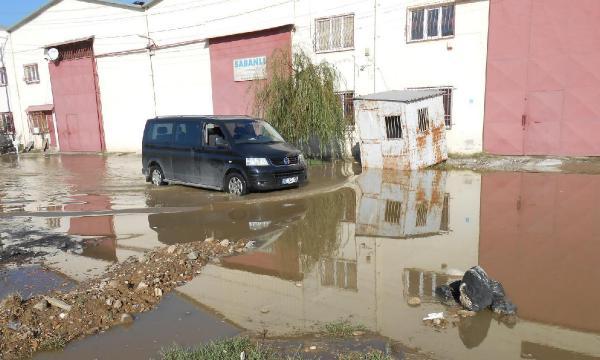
(404, 96)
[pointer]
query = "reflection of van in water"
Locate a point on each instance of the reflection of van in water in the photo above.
(230, 153)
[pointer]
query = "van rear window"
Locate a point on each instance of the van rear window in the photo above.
(161, 132)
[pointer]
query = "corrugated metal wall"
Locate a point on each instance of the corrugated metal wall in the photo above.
(543, 78)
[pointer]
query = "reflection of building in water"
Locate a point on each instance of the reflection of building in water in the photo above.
(404, 205)
(370, 277)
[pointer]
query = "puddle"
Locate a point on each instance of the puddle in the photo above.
(344, 247)
(31, 280)
(175, 320)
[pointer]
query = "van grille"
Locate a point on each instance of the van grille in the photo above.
(292, 160)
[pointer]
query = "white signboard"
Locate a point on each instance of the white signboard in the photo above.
(250, 68)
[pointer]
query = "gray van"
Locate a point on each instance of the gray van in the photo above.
(235, 154)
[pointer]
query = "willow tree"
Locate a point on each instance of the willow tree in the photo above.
(298, 98)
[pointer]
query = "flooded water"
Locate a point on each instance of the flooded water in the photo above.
(345, 247)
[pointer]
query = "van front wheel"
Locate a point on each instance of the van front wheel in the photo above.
(235, 184)
(156, 176)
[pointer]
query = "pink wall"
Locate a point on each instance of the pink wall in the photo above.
(543, 78)
(231, 97)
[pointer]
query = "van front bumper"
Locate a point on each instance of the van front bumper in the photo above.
(272, 178)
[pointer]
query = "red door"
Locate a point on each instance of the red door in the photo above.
(543, 78)
(76, 100)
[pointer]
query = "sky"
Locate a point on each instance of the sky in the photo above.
(11, 11)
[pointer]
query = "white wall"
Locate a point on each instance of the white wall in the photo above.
(394, 64)
(124, 79)
(3, 89)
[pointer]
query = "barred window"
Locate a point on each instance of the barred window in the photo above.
(431, 23)
(7, 125)
(423, 119)
(3, 77)
(31, 74)
(393, 127)
(447, 98)
(334, 33)
(347, 101)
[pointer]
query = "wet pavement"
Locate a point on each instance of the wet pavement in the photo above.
(347, 246)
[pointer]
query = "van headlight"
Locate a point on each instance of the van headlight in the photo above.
(256, 162)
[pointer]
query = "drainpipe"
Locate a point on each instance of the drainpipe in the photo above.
(6, 92)
(151, 46)
(374, 46)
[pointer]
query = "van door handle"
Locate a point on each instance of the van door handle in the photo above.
(523, 121)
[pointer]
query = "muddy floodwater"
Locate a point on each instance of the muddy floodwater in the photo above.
(350, 245)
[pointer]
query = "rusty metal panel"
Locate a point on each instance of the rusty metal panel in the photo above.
(543, 78)
(418, 148)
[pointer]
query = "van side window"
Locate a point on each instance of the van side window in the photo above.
(211, 133)
(188, 133)
(161, 133)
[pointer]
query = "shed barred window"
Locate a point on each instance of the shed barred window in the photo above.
(334, 33)
(393, 127)
(447, 98)
(431, 22)
(423, 114)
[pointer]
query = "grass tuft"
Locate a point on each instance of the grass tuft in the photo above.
(53, 344)
(341, 329)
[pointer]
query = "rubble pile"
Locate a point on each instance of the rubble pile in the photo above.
(134, 286)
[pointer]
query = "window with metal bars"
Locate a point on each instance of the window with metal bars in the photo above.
(38, 123)
(31, 74)
(393, 211)
(421, 214)
(429, 23)
(3, 77)
(7, 126)
(393, 127)
(347, 101)
(342, 274)
(423, 115)
(334, 33)
(447, 99)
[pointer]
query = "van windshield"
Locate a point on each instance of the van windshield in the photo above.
(252, 132)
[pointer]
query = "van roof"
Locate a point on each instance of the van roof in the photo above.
(205, 117)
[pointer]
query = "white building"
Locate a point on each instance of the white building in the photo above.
(178, 57)
(5, 114)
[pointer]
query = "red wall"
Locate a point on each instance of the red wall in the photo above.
(231, 97)
(543, 78)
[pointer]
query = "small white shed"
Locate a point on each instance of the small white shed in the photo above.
(401, 129)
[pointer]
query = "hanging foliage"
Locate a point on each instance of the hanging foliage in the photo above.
(299, 100)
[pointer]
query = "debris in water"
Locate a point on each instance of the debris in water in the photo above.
(414, 301)
(433, 316)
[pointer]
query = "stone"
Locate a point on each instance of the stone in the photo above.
(358, 333)
(142, 285)
(313, 347)
(209, 240)
(264, 310)
(126, 318)
(192, 255)
(62, 316)
(251, 244)
(58, 303)
(118, 304)
(224, 243)
(475, 290)
(414, 301)
(42, 305)
(14, 325)
(158, 292)
(497, 290)
(171, 249)
(109, 302)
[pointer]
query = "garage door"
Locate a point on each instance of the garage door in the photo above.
(76, 103)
